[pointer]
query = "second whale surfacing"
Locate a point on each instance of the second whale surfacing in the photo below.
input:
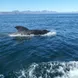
(23, 31)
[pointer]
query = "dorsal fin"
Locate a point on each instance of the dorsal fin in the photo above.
(21, 28)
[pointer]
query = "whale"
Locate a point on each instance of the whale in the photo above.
(25, 31)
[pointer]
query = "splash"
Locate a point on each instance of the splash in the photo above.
(20, 35)
(50, 34)
(1, 76)
(23, 35)
(51, 70)
(48, 70)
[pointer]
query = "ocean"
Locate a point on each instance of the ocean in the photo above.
(53, 55)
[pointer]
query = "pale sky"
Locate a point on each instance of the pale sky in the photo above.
(38, 5)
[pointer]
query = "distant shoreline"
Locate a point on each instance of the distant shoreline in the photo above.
(36, 12)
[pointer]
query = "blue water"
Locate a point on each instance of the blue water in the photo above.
(39, 56)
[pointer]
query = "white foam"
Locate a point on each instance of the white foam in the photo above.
(22, 74)
(50, 34)
(62, 68)
(23, 35)
(73, 73)
(31, 71)
(20, 35)
(1, 76)
(49, 70)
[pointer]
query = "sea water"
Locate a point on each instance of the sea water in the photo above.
(53, 55)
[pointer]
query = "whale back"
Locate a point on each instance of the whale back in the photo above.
(26, 31)
(21, 28)
(38, 32)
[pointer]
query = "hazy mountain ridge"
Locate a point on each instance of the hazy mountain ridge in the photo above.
(35, 12)
(29, 12)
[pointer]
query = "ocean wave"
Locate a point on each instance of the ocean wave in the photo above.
(54, 70)
(50, 70)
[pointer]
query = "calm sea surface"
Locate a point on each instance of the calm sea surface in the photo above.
(52, 56)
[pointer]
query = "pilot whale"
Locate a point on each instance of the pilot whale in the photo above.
(25, 31)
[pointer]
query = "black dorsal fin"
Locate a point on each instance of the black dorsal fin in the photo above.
(21, 28)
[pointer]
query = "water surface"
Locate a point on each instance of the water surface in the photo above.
(53, 56)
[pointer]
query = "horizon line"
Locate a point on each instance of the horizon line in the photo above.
(36, 12)
(41, 11)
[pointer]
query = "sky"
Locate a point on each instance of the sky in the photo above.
(39, 5)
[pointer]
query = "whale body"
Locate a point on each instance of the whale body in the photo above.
(25, 31)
